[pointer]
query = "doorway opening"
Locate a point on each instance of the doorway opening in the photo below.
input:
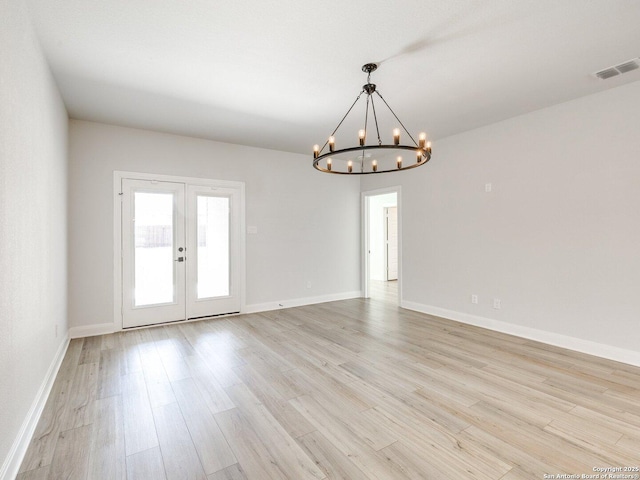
(381, 246)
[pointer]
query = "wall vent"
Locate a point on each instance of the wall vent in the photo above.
(616, 70)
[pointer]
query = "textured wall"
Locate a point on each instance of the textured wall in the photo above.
(556, 240)
(33, 220)
(308, 223)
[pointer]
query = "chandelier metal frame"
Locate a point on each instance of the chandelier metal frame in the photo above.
(323, 161)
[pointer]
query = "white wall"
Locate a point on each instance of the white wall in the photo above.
(33, 258)
(377, 204)
(308, 223)
(557, 239)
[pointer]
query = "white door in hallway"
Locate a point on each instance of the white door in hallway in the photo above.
(391, 233)
(179, 251)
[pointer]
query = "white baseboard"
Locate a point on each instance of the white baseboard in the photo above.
(299, 302)
(12, 463)
(602, 350)
(107, 328)
(91, 330)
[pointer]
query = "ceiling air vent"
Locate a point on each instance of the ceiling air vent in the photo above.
(628, 66)
(616, 70)
(608, 73)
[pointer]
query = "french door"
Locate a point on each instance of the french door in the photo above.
(179, 251)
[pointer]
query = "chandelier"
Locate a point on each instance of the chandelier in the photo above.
(373, 157)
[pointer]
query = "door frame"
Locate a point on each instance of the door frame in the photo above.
(118, 176)
(365, 257)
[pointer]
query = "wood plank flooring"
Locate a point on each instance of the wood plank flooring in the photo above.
(357, 389)
(384, 290)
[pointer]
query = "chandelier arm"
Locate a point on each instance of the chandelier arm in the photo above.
(400, 121)
(343, 118)
(375, 117)
(366, 119)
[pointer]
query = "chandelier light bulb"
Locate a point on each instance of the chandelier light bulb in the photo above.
(329, 164)
(332, 143)
(399, 162)
(350, 166)
(374, 165)
(396, 136)
(361, 137)
(422, 139)
(429, 147)
(316, 151)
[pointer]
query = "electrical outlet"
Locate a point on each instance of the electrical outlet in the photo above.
(474, 299)
(496, 303)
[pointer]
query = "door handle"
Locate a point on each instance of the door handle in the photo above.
(180, 259)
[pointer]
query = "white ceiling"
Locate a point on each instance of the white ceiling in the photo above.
(281, 73)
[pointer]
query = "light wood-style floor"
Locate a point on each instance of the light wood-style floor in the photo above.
(385, 291)
(356, 389)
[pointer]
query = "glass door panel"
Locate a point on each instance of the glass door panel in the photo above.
(213, 246)
(213, 227)
(154, 278)
(153, 241)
